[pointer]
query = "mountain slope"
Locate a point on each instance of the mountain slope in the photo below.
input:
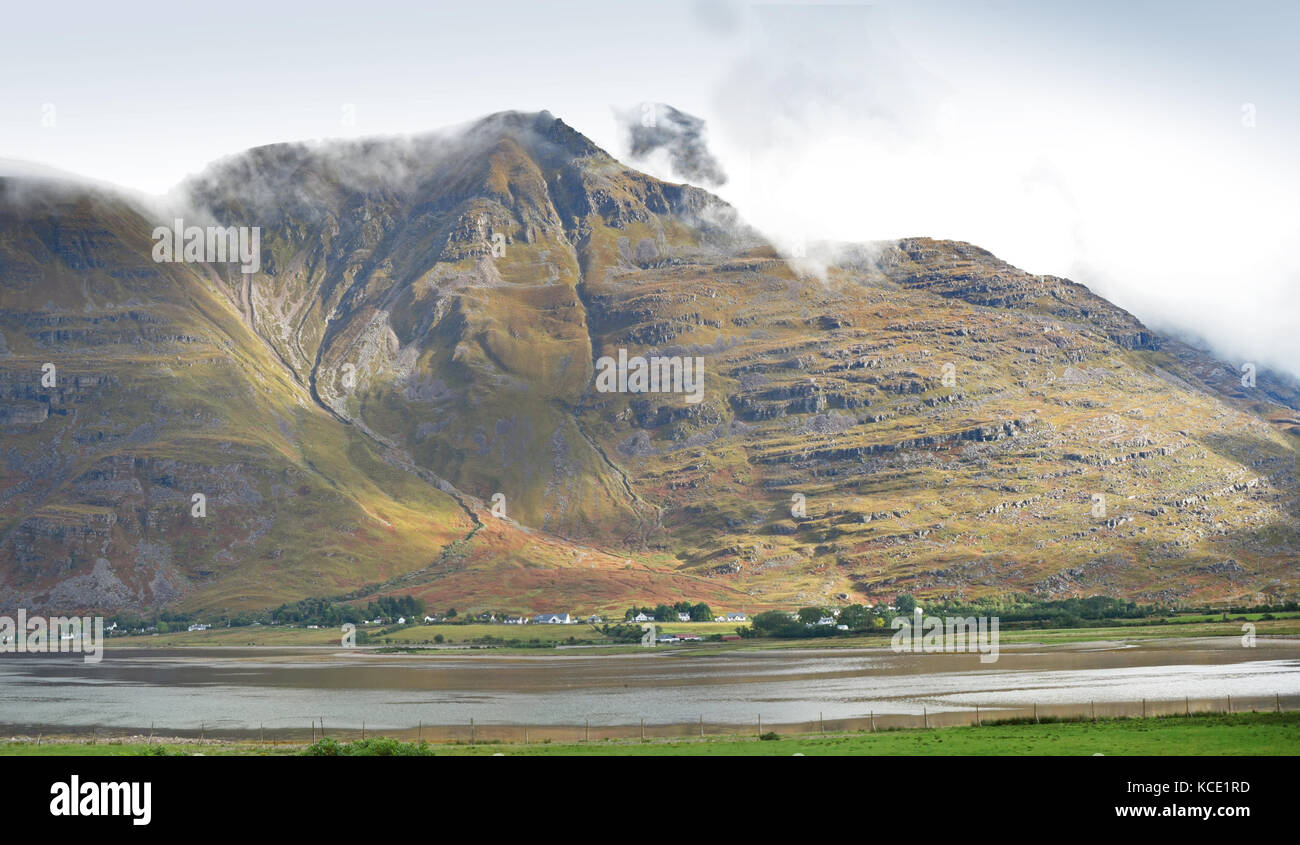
(160, 393)
(417, 350)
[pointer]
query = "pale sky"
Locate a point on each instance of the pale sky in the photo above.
(1148, 150)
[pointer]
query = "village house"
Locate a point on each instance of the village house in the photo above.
(552, 619)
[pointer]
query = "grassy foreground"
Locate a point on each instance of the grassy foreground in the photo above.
(1247, 734)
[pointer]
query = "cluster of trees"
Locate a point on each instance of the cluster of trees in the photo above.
(1057, 613)
(806, 622)
(392, 607)
(622, 633)
(326, 613)
(164, 622)
(668, 613)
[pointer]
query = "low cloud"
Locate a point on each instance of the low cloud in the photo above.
(851, 124)
(659, 129)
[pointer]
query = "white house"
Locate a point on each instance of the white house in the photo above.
(736, 617)
(199, 627)
(594, 620)
(553, 619)
(642, 617)
(826, 620)
(683, 617)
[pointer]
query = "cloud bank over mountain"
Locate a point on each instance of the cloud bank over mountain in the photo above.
(1018, 133)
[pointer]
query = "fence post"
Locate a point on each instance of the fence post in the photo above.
(419, 732)
(1229, 704)
(471, 731)
(760, 725)
(1187, 706)
(1277, 702)
(1144, 708)
(873, 721)
(925, 718)
(586, 736)
(1035, 712)
(978, 721)
(701, 726)
(363, 730)
(643, 728)
(1093, 705)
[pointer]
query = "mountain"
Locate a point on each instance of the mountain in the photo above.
(404, 397)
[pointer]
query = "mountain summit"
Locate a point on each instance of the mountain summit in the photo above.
(404, 397)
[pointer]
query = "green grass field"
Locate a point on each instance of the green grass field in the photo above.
(1248, 734)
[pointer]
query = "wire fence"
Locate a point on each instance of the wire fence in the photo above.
(702, 728)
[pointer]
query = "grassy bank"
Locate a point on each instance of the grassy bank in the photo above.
(1249, 734)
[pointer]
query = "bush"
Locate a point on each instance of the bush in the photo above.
(162, 751)
(770, 735)
(378, 747)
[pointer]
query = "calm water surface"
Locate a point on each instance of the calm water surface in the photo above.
(236, 688)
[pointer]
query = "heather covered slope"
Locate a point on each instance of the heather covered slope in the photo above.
(421, 336)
